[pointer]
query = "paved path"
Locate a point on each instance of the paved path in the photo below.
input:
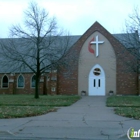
(87, 119)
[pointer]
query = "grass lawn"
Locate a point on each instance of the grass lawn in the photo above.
(15, 106)
(128, 106)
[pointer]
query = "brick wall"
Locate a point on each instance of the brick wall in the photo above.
(52, 82)
(13, 89)
(67, 78)
(126, 80)
(48, 82)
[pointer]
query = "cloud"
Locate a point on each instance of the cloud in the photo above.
(75, 15)
(82, 14)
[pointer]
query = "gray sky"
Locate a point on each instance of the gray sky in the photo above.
(75, 16)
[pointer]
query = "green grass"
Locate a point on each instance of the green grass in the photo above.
(15, 106)
(128, 106)
(131, 112)
(23, 111)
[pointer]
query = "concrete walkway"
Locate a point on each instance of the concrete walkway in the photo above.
(87, 119)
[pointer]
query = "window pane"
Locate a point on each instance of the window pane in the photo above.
(20, 81)
(97, 71)
(5, 82)
(94, 83)
(99, 84)
(33, 81)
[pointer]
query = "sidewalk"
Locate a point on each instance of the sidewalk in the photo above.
(87, 119)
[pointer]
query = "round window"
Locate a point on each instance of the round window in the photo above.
(97, 71)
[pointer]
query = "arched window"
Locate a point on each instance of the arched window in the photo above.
(33, 81)
(20, 81)
(5, 82)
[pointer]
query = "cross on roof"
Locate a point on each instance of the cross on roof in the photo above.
(97, 47)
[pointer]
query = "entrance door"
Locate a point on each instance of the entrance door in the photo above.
(97, 81)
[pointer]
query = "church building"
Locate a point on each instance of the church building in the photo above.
(99, 69)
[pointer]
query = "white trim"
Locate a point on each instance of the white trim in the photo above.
(54, 71)
(23, 81)
(97, 66)
(12, 74)
(2, 82)
(41, 80)
(11, 80)
(53, 89)
(97, 90)
(31, 81)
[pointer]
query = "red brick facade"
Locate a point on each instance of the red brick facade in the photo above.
(126, 80)
(45, 84)
(66, 81)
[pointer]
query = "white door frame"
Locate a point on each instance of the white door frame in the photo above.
(96, 85)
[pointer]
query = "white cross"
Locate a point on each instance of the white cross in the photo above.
(97, 42)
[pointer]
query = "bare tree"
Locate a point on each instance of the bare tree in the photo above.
(36, 47)
(131, 39)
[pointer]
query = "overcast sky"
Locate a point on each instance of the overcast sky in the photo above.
(74, 15)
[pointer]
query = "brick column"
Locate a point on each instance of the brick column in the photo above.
(53, 82)
(41, 84)
(12, 84)
(139, 85)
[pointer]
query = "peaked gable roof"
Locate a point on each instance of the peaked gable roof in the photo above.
(95, 27)
(78, 41)
(121, 53)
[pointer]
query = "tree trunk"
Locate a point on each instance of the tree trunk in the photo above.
(37, 87)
